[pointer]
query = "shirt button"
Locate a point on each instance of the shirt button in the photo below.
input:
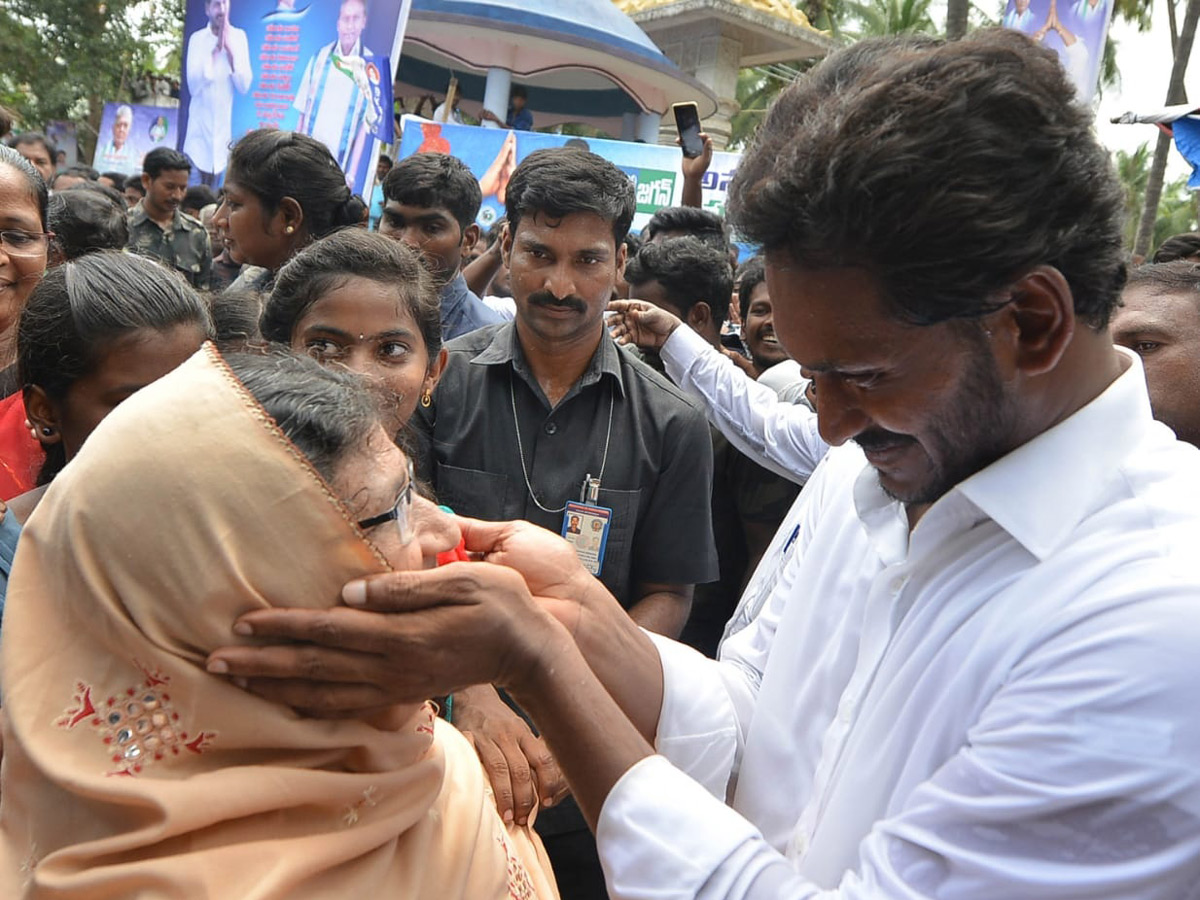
(551, 427)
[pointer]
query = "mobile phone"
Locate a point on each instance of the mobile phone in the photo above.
(687, 122)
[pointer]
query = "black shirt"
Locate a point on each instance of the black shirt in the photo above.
(656, 479)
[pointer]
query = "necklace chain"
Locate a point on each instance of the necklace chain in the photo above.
(512, 396)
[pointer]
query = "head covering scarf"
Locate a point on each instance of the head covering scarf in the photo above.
(128, 770)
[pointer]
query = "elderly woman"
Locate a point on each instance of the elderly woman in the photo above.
(229, 485)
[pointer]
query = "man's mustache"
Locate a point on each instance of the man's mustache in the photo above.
(545, 298)
(879, 439)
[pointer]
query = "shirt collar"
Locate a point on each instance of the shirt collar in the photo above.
(138, 215)
(453, 295)
(1041, 491)
(505, 347)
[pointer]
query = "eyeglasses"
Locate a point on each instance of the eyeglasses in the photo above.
(25, 243)
(401, 513)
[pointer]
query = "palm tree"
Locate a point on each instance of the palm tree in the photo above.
(1175, 94)
(1175, 212)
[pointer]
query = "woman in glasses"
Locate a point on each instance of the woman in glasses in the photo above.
(365, 302)
(23, 246)
(229, 485)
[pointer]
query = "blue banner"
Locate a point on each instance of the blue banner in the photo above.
(128, 132)
(320, 67)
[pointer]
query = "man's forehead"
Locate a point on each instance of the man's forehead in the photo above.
(409, 211)
(586, 229)
(1143, 306)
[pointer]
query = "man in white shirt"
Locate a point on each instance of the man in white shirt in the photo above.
(975, 674)
(218, 63)
(334, 97)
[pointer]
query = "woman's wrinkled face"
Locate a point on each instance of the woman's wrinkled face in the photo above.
(370, 482)
(366, 327)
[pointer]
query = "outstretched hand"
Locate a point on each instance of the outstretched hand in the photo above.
(641, 323)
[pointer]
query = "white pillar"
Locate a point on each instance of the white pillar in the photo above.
(647, 127)
(628, 126)
(495, 94)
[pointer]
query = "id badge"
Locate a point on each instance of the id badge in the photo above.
(585, 527)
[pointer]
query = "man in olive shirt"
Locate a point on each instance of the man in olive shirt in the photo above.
(157, 226)
(526, 410)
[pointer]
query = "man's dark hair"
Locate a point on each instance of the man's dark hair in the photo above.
(384, 158)
(72, 172)
(633, 244)
(163, 159)
(1181, 246)
(87, 218)
(947, 170)
(80, 307)
(559, 181)
(34, 183)
(751, 275)
(135, 182)
(518, 90)
(688, 221)
(115, 177)
(324, 265)
(1180, 276)
(275, 164)
(198, 196)
(689, 271)
(36, 137)
(435, 181)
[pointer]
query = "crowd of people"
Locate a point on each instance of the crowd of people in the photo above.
(861, 569)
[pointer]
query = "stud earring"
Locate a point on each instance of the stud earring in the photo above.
(289, 230)
(47, 430)
(427, 399)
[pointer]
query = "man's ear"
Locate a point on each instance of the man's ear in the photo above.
(470, 237)
(506, 245)
(622, 254)
(699, 317)
(1039, 320)
(43, 415)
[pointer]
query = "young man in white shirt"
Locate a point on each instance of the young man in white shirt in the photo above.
(975, 675)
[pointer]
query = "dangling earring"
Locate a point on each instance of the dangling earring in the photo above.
(427, 399)
(289, 230)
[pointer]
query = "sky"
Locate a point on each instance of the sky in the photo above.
(1144, 60)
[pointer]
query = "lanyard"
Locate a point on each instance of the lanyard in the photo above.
(591, 485)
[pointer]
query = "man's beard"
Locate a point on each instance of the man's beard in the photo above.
(973, 429)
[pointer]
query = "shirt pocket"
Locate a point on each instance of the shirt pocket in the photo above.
(471, 492)
(618, 551)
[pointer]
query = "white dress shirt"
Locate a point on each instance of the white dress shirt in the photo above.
(779, 436)
(999, 705)
(211, 82)
(776, 434)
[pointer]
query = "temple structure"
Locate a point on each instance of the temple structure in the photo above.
(712, 40)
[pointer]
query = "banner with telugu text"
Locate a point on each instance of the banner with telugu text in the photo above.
(322, 67)
(492, 153)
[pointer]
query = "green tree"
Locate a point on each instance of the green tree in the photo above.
(64, 58)
(1176, 213)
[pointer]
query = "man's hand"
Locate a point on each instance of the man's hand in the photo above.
(641, 323)
(693, 174)
(418, 635)
(517, 763)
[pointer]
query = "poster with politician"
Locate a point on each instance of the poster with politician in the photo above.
(1074, 29)
(128, 132)
(322, 67)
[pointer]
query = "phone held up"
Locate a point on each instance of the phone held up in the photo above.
(687, 121)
